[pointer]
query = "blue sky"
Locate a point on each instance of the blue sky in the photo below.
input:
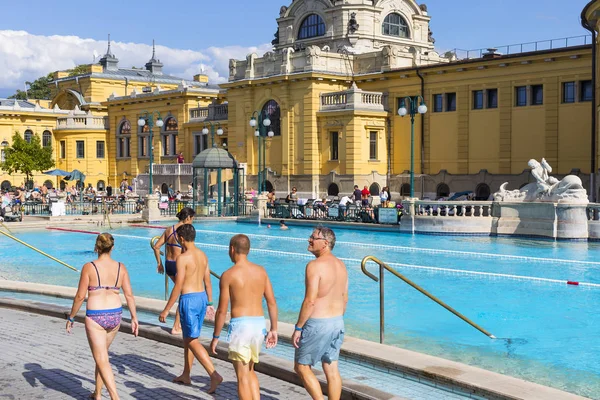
(214, 30)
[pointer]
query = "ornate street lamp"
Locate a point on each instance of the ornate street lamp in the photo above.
(416, 105)
(261, 122)
(205, 131)
(149, 116)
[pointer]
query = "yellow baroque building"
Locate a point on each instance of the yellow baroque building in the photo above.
(332, 86)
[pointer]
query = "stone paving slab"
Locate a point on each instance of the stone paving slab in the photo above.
(38, 360)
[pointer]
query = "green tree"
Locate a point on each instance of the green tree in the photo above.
(26, 158)
(38, 89)
(78, 70)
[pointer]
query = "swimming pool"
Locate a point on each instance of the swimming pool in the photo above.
(515, 288)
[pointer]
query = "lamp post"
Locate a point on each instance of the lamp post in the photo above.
(205, 131)
(416, 104)
(260, 122)
(159, 122)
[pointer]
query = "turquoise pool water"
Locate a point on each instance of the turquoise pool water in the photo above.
(515, 288)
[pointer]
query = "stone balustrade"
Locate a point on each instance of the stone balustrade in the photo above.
(172, 169)
(82, 122)
(452, 209)
(213, 112)
(353, 99)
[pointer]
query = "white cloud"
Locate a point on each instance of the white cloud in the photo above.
(25, 57)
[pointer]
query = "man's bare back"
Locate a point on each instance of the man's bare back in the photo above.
(247, 284)
(194, 264)
(333, 286)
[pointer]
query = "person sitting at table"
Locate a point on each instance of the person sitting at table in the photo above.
(292, 197)
(271, 197)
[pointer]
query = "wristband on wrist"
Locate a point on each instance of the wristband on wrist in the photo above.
(216, 337)
(71, 320)
(297, 328)
(210, 303)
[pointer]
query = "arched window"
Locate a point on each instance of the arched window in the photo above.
(482, 192)
(164, 188)
(268, 186)
(442, 191)
(374, 189)
(405, 190)
(144, 140)
(28, 135)
(333, 189)
(395, 25)
(271, 109)
(49, 184)
(169, 137)
(101, 186)
(46, 139)
(312, 26)
(6, 185)
(124, 139)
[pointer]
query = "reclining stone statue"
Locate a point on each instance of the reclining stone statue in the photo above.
(546, 188)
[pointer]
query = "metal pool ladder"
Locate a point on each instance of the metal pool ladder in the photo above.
(383, 266)
(152, 242)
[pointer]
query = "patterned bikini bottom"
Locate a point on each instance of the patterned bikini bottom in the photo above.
(108, 319)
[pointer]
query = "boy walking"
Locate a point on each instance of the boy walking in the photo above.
(246, 284)
(192, 282)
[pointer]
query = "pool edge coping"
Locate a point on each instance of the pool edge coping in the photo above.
(473, 380)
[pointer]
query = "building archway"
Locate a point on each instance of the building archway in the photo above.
(482, 192)
(405, 190)
(374, 189)
(6, 185)
(271, 109)
(28, 135)
(442, 190)
(101, 185)
(333, 189)
(269, 186)
(164, 188)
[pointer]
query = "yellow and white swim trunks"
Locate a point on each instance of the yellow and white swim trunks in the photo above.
(246, 337)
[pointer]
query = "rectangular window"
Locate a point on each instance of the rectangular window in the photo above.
(438, 103)
(80, 144)
(450, 101)
(477, 99)
(537, 95)
(568, 92)
(173, 145)
(492, 98)
(521, 96)
(586, 91)
(63, 149)
(373, 145)
(100, 149)
(127, 147)
(165, 143)
(200, 143)
(143, 146)
(334, 146)
(2, 156)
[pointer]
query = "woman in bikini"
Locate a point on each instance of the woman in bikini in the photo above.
(169, 237)
(103, 315)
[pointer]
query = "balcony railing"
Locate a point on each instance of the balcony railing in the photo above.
(213, 112)
(82, 122)
(172, 169)
(353, 99)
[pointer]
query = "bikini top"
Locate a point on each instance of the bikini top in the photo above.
(173, 233)
(92, 288)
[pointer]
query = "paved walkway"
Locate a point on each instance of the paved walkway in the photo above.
(39, 360)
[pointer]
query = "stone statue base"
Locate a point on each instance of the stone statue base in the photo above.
(544, 219)
(151, 212)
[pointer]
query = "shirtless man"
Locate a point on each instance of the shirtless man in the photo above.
(246, 284)
(192, 282)
(319, 332)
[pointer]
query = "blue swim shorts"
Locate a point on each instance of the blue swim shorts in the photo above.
(192, 309)
(321, 340)
(171, 267)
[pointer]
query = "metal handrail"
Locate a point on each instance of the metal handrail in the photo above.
(39, 251)
(382, 266)
(152, 242)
